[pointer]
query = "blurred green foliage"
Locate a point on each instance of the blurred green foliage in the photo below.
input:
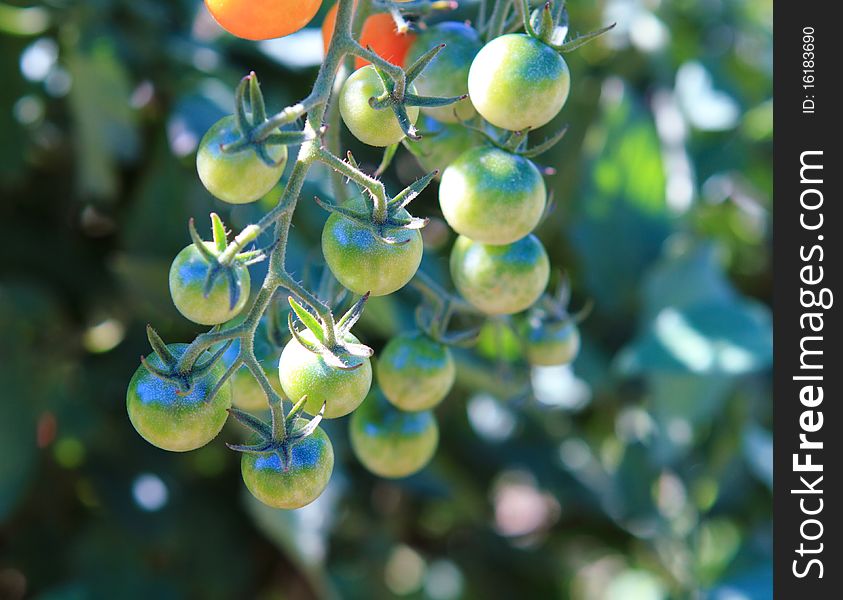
(642, 473)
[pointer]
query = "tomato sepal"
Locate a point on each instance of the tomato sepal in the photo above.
(182, 378)
(281, 434)
(341, 354)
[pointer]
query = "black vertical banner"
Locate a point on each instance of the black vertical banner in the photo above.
(807, 254)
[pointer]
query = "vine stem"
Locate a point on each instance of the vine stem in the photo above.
(375, 187)
(315, 105)
(497, 20)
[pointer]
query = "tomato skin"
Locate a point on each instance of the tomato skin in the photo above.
(441, 144)
(237, 177)
(500, 280)
(378, 128)
(303, 372)
(492, 196)
(550, 343)
(390, 442)
(363, 263)
(378, 33)
(312, 462)
(173, 422)
(187, 279)
(262, 19)
(447, 75)
(517, 81)
(415, 372)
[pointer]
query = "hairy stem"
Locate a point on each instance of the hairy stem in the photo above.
(375, 187)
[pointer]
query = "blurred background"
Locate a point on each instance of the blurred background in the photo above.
(643, 472)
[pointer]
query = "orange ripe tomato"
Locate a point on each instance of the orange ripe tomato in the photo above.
(262, 19)
(379, 33)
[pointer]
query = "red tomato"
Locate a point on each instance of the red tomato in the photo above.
(379, 33)
(262, 19)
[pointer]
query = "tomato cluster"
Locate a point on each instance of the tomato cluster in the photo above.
(476, 103)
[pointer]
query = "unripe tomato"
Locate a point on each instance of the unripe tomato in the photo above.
(550, 343)
(517, 81)
(236, 177)
(363, 263)
(169, 420)
(390, 442)
(187, 280)
(311, 465)
(441, 144)
(447, 75)
(303, 372)
(415, 372)
(500, 280)
(492, 196)
(262, 19)
(378, 33)
(371, 126)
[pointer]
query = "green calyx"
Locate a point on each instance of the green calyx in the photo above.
(554, 308)
(389, 218)
(280, 434)
(434, 316)
(222, 255)
(181, 377)
(550, 25)
(250, 115)
(389, 99)
(329, 340)
(516, 142)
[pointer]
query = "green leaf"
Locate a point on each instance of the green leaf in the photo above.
(620, 219)
(105, 123)
(712, 339)
(308, 320)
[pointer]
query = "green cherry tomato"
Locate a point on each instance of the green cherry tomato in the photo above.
(236, 177)
(415, 372)
(390, 442)
(500, 280)
(169, 420)
(371, 126)
(364, 263)
(492, 196)
(447, 75)
(303, 372)
(517, 81)
(441, 144)
(312, 461)
(187, 280)
(550, 343)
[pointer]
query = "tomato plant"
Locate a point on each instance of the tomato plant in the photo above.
(262, 19)
(492, 196)
(490, 192)
(415, 372)
(390, 442)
